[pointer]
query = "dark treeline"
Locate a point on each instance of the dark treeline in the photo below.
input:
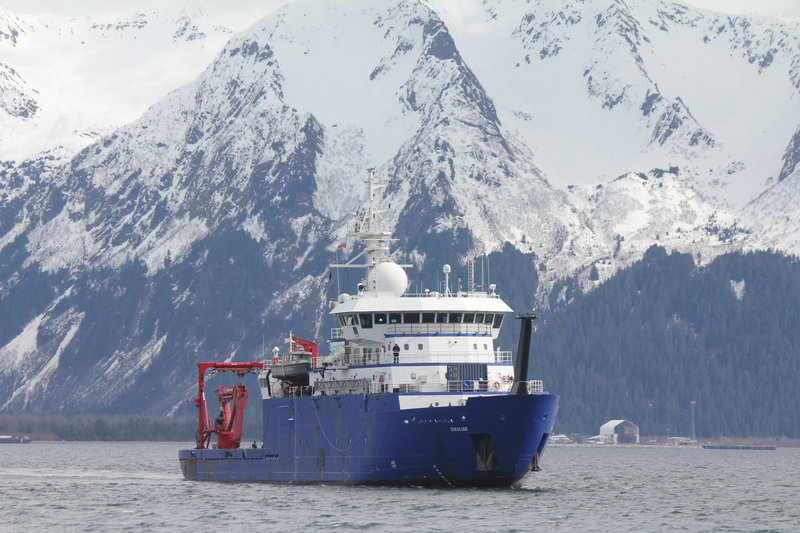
(664, 333)
(99, 427)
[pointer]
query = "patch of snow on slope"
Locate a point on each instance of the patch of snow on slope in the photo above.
(297, 293)
(340, 171)
(173, 241)
(15, 352)
(12, 234)
(774, 217)
(255, 228)
(31, 387)
(123, 367)
(737, 287)
(62, 243)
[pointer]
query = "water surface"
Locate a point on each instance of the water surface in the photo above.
(138, 487)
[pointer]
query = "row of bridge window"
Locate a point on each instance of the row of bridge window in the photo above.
(366, 320)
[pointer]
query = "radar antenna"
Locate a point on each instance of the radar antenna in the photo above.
(371, 228)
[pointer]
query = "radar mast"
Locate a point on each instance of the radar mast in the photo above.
(371, 228)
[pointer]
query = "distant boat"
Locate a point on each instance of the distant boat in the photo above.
(14, 439)
(735, 447)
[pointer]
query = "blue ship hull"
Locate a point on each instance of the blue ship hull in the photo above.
(493, 440)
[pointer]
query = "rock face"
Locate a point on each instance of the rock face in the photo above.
(562, 142)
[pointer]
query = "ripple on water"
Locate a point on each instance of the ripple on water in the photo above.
(92, 486)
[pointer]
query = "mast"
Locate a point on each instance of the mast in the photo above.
(371, 228)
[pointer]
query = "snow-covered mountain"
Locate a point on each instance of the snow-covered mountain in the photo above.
(202, 229)
(66, 81)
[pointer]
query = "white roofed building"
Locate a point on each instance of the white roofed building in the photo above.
(620, 431)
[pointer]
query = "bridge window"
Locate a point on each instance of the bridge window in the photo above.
(428, 318)
(488, 318)
(441, 318)
(343, 320)
(380, 318)
(469, 318)
(354, 319)
(479, 318)
(498, 319)
(394, 318)
(366, 320)
(455, 318)
(410, 318)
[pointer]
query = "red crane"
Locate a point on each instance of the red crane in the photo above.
(232, 402)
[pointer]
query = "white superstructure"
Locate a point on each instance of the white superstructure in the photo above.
(436, 348)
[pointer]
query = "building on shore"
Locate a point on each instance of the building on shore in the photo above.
(620, 432)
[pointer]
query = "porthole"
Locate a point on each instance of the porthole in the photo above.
(419, 347)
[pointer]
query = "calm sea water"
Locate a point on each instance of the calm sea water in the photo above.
(138, 487)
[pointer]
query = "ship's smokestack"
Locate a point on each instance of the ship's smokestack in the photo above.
(523, 353)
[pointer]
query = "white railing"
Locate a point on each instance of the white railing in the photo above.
(461, 385)
(433, 294)
(363, 385)
(457, 328)
(343, 386)
(464, 386)
(361, 357)
(337, 334)
(291, 392)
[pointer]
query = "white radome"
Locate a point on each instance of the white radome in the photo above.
(388, 278)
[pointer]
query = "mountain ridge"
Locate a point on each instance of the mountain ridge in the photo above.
(205, 227)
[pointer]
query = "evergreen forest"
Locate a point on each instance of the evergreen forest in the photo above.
(664, 333)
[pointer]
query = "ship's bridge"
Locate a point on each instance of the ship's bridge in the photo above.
(376, 318)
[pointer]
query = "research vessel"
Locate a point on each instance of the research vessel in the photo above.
(411, 390)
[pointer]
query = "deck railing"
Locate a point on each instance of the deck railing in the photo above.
(361, 386)
(465, 386)
(460, 328)
(360, 357)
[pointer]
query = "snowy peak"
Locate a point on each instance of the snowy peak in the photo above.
(101, 73)
(10, 28)
(791, 157)
(677, 120)
(17, 99)
(572, 139)
(144, 192)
